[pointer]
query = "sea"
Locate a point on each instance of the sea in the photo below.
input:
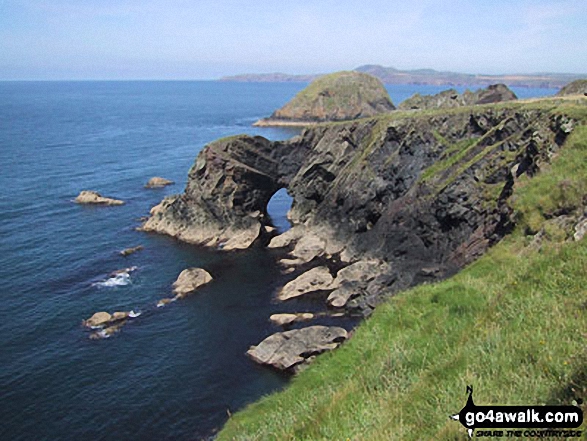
(171, 373)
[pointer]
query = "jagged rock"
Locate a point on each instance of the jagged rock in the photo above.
(93, 197)
(494, 93)
(316, 279)
(157, 182)
(132, 250)
(339, 297)
(335, 97)
(578, 87)
(104, 319)
(308, 247)
(286, 239)
(362, 271)
(580, 229)
(108, 324)
(285, 350)
(451, 98)
(288, 319)
(189, 280)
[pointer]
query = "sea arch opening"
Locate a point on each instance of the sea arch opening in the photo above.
(278, 208)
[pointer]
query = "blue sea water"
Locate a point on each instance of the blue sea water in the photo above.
(173, 372)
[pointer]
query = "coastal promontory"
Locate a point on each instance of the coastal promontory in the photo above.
(340, 96)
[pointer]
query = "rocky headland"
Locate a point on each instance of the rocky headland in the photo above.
(578, 87)
(339, 96)
(391, 75)
(379, 204)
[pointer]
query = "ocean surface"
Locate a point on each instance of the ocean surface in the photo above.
(172, 373)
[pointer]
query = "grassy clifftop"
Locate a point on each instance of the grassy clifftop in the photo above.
(512, 324)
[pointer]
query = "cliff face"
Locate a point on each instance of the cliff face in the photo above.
(425, 194)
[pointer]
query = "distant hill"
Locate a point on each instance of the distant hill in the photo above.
(390, 75)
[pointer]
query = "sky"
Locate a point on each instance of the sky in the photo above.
(207, 39)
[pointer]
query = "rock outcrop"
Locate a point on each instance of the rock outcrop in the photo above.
(578, 87)
(190, 280)
(107, 324)
(158, 182)
(225, 202)
(287, 319)
(336, 97)
(131, 250)
(93, 197)
(420, 194)
(316, 279)
(451, 98)
(285, 350)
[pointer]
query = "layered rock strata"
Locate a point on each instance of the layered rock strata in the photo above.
(420, 195)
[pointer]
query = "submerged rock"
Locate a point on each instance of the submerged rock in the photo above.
(316, 279)
(335, 97)
(165, 301)
(93, 197)
(157, 182)
(285, 350)
(189, 280)
(132, 250)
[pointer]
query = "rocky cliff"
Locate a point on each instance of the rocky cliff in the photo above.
(336, 97)
(420, 194)
(495, 93)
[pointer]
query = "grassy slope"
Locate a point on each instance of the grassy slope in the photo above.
(346, 87)
(513, 324)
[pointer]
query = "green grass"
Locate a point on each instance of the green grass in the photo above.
(337, 90)
(513, 324)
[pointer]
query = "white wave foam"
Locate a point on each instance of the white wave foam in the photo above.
(121, 279)
(133, 314)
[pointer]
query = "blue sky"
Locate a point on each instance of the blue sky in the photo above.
(203, 39)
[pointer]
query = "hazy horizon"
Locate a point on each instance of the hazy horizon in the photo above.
(183, 40)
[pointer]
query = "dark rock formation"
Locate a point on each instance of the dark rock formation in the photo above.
(225, 201)
(422, 194)
(285, 350)
(451, 98)
(336, 97)
(578, 87)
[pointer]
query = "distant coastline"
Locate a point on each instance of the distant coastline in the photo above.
(390, 75)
